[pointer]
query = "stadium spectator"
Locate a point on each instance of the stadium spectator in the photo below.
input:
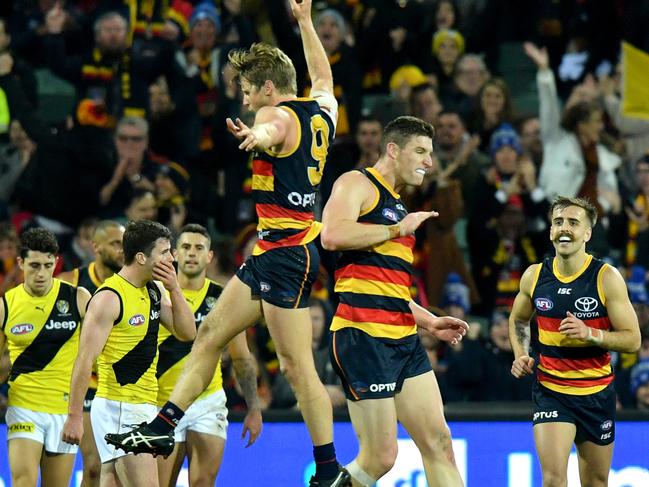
(424, 103)
(470, 74)
(494, 108)
(640, 384)
(530, 130)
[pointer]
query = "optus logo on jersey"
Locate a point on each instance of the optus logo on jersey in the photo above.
(136, 320)
(22, 328)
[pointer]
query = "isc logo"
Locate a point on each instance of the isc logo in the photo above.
(136, 320)
(564, 290)
(22, 328)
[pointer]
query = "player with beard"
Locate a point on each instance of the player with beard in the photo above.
(582, 312)
(201, 433)
(109, 258)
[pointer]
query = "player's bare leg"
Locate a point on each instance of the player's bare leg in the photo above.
(169, 468)
(24, 459)
(420, 410)
(594, 463)
(205, 453)
(90, 455)
(56, 469)
(553, 444)
(291, 331)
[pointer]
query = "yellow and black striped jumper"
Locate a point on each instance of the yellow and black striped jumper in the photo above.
(374, 344)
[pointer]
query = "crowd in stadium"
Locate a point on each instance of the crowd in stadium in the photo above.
(116, 109)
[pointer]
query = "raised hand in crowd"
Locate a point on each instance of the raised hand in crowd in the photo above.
(56, 19)
(538, 55)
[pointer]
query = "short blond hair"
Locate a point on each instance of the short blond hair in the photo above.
(264, 62)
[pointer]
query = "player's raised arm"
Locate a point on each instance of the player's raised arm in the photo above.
(316, 57)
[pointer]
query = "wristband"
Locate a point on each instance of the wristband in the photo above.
(394, 231)
(596, 338)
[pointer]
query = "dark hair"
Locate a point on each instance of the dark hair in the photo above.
(141, 236)
(507, 113)
(456, 11)
(448, 111)
(369, 119)
(578, 113)
(401, 129)
(196, 228)
(38, 240)
(561, 202)
(137, 194)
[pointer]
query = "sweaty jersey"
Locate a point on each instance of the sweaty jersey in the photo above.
(127, 364)
(86, 277)
(43, 338)
(284, 184)
(373, 284)
(174, 353)
(570, 365)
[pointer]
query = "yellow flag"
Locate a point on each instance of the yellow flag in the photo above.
(636, 82)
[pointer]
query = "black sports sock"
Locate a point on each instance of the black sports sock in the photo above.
(167, 419)
(326, 465)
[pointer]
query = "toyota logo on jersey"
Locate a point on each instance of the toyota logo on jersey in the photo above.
(586, 304)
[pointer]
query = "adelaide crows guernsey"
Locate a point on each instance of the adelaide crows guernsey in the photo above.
(127, 364)
(174, 353)
(373, 284)
(284, 185)
(43, 339)
(86, 277)
(570, 365)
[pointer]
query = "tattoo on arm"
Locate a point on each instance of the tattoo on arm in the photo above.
(247, 377)
(523, 334)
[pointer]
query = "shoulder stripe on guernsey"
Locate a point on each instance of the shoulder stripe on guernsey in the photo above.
(75, 277)
(42, 350)
(137, 361)
(600, 286)
(119, 298)
(537, 272)
(298, 139)
(6, 316)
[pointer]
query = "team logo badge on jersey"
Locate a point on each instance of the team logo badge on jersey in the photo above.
(154, 296)
(586, 304)
(136, 320)
(63, 306)
(543, 304)
(210, 301)
(390, 214)
(22, 329)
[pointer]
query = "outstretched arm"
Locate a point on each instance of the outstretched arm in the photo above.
(316, 57)
(519, 325)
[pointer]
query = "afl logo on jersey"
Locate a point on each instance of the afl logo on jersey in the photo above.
(22, 329)
(136, 320)
(586, 304)
(543, 304)
(390, 214)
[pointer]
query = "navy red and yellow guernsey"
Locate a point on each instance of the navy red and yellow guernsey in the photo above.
(569, 365)
(373, 284)
(284, 184)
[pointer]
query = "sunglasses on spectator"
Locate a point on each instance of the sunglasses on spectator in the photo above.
(130, 138)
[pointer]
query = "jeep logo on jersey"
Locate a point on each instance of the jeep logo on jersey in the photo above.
(61, 325)
(390, 214)
(586, 304)
(543, 304)
(63, 306)
(22, 328)
(136, 320)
